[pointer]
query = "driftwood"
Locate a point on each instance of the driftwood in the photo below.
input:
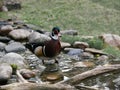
(99, 70)
(62, 85)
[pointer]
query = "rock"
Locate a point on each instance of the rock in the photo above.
(36, 37)
(111, 39)
(14, 58)
(65, 44)
(4, 30)
(27, 74)
(19, 34)
(66, 50)
(95, 51)
(13, 5)
(75, 52)
(117, 81)
(2, 46)
(103, 57)
(84, 64)
(4, 39)
(5, 73)
(52, 73)
(81, 45)
(4, 8)
(69, 32)
(15, 47)
(87, 55)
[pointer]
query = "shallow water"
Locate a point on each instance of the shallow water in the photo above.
(107, 81)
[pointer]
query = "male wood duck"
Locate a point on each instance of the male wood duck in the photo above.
(50, 49)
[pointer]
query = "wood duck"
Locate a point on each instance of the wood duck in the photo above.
(50, 49)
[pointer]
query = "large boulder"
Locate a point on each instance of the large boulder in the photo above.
(5, 73)
(4, 30)
(36, 37)
(81, 45)
(19, 34)
(69, 32)
(111, 39)
(14, 58)
(15, 47)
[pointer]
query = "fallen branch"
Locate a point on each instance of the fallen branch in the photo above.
(20, 77)
(99, 70)
(36, 86)
(85, 87)
(63, 85)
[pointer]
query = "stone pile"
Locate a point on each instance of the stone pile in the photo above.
(14, 34)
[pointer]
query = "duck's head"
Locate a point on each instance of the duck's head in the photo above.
(55, 33)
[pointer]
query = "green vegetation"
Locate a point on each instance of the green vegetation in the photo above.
(14, 68)
(89, 17)
(96, 43)
(112, 50)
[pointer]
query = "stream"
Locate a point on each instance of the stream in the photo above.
(72, 65)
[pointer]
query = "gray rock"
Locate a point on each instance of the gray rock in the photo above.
(36, 37)
(19, 34)
(14, 58)
(5, 73)
(65, 44)
(81, 45)
(4, 30)
(69, 32)
(4, 39)
(15, 47)
(95, 51)
(2, 46)
(75, 52)
(87, 55)
(111, 39)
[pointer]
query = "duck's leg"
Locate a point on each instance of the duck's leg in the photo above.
(43, 61)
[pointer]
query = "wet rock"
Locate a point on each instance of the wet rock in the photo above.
(66, 50)
(36, 37)
(75, 52)
(117, 81)
(111, 39)
(27, 74)
(15, 47)
(65, 44)
(95, 51)
(52, 73)
(87, 55)
(84, 64)
(2, 46)
(69, 32)
(4, 30)
(81, 45)
(19, 34)
(14, 58)
(4, 39)
(5, 73)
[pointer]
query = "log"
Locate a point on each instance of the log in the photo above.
(62, 85)
(36, 86)
(98, 70)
